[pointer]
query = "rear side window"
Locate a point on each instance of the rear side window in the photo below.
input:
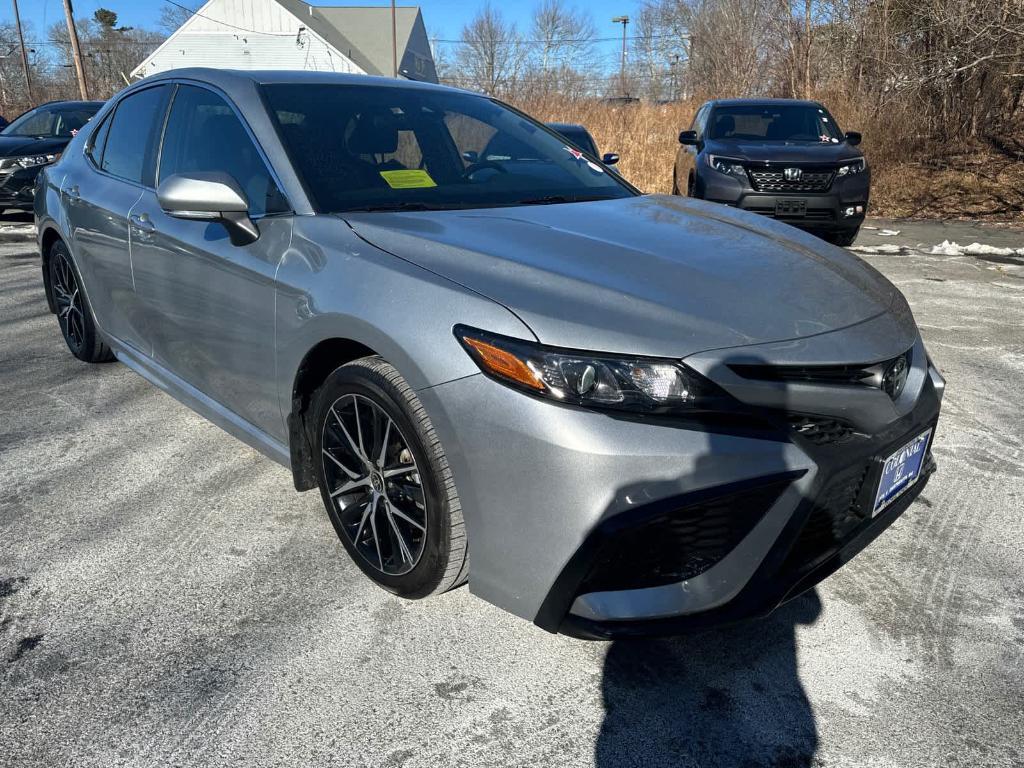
(204, 134)
(133, 135)
(96, 143)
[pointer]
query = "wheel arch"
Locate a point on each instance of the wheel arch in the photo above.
(316, 365)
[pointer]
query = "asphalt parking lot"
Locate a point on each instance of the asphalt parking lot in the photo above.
(166, 598)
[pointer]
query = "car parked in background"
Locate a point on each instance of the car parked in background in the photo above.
(781, 158)
(34, 140)
(581, 137)
(640, 414)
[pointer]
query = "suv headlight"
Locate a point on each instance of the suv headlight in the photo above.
(856, 166)
(728, 166)
(28, 161)
(647, 385)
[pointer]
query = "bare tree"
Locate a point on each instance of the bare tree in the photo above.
(490, 55)
(173, 16)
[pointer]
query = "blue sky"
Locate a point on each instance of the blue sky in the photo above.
(444, 18)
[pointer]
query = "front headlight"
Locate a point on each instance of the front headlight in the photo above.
(728, 166)
(28, 161)
(855, 167)
(589, 380)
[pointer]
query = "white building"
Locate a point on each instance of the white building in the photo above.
(291, 34)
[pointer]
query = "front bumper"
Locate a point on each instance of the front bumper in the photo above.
(17, 188)
(545, 489)
(823, 212)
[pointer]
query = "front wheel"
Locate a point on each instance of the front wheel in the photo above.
(844, 238)
(385, 481)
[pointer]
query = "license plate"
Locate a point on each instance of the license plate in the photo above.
(900, 471)
(790, 208)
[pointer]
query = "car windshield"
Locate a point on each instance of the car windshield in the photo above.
(774, 122)
(362, 147)
(53, 121)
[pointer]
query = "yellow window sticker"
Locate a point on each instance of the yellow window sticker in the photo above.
(415, 179)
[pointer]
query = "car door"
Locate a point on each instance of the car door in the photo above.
(211, 303)
(98, 198)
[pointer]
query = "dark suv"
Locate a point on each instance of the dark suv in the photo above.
(777, 157)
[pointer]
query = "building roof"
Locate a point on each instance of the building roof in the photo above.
(364, 34)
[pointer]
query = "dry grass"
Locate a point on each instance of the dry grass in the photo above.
(910, 175)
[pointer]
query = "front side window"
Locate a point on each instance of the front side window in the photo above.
(204, 134)
(133, 135)
(53, 121)
(362, 147)
(774, 122)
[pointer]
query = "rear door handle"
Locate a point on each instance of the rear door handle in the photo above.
(141, 221)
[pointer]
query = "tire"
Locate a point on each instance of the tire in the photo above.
(432, 556)
(74, 315)
(845, 237)
(675, 183)
(691, 187)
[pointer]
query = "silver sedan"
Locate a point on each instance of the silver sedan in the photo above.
(639, 414)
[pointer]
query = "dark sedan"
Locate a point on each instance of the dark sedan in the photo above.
(35, 140)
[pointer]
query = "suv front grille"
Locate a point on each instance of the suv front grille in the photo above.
(771, 180)
(681, 543)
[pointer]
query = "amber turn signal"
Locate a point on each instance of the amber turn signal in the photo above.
(504, 364)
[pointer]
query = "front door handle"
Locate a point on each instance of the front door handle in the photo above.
(142, 221)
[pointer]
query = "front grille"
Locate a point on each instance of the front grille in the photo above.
(820, 430)
(835, 516)
(680, 544)
(860, 374)
(771, 180)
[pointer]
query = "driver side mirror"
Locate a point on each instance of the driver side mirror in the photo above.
(609, 158)
(853, 138)
(213, 196)
(688, 138)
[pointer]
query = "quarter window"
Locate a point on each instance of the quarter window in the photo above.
(133, 135)
(204, 134)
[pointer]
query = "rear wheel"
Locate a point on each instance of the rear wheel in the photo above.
(73, 312)
(385, 481)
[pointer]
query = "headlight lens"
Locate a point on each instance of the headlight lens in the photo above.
(855, 167)
(588, 380)
(28, 161)
(728, 166)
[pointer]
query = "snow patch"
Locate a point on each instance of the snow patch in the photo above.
(884, 248)
(888, 232)
(948, 248)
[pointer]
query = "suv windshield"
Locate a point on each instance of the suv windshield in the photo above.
(53, 121)
(774, 122)
(371, 148)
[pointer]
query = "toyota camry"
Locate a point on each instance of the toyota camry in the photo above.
(611, 413)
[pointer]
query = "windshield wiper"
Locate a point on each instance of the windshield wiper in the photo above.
(404, 206)
(554, 199)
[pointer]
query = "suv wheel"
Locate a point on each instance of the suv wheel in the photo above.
(386, 483)
(691, 187)
(845, 237)
(73, 311)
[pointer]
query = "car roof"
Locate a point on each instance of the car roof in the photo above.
(225, 78)
(71, 104)
(567, 127)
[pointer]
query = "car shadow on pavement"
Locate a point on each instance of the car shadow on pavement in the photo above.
(729, 697)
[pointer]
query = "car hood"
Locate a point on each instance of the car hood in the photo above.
(649, 275)
(782, 152)
(14, 146)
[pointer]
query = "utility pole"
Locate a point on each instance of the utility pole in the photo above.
(24, 55)
(76, 50)
(394, 41)
(623, 20)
